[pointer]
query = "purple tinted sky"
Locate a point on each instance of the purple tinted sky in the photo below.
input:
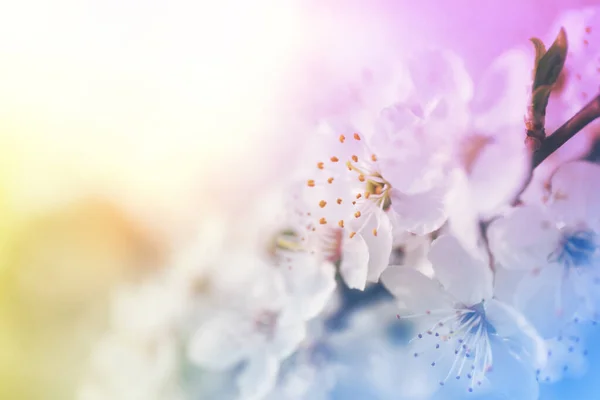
(478, 29)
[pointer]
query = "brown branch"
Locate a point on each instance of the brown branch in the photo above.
(550, 144)
(542, 147)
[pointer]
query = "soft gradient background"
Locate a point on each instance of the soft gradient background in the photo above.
(122, 123)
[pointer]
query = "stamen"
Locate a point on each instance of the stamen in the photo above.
(341, 223)
(361, 177)
(320, 165)
(334, 159)
(311, 183)
(373, 157)
(356, 136)
(374, 231)
(352, 234)
(354, 158)
(357, 214)
(329, 180)
(342, 138)
(322, 221)
(322, 203)
(339, 201)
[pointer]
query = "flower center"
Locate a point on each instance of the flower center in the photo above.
(475, 318)
(467, 331)
(374, 193)
(576, 249)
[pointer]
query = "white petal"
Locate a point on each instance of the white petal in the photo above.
(524, 238)
(545, 300)
(511, 324)
(258, 377)
(310, 281)
(380, 246)
(414, 290)
(355, 261)
(510, 378)
(501, 95)
(463, 215)
(420, 213)
(576, 193)
(289, 333)
(491, 190)
(467, 277)
(216, 345)
(440, 72)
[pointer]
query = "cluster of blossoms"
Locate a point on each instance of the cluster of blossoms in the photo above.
(491, 272)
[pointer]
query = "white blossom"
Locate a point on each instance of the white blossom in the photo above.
(556, 247)
(466, 333)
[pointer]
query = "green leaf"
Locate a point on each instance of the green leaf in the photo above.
(552, 62)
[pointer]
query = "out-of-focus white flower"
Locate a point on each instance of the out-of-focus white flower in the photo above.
(492, 142)
(139, 357)
(257, 326)
(124, 369)
(557, 247)
(309, 374)
(280, 234)
(466, 331)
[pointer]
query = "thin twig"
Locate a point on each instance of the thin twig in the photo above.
(550, 144)
(542, 148)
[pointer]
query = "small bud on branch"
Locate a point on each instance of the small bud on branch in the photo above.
(547, 68)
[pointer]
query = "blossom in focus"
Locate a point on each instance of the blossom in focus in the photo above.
(393, 175)
(468, 338)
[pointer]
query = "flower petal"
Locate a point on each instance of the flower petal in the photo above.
(510, 377)
(258, 377)
(289, 333)
(501, 95)
(354, 265)
(465, 276)
(511, 324)
(415, 291)
(310, 281)
(216, 346)
(420, 213)
(524, 238)
(576, 193)
(546, 299)
(380, 245)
